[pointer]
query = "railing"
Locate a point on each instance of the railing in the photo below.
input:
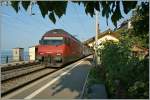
(8, 58)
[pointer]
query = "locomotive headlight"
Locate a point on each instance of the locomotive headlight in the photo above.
(41, 53)
(58, 54)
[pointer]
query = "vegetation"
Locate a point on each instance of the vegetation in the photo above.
(126, 73)
(140, 19)
(140, 22)
(58, 8)
(94, 77)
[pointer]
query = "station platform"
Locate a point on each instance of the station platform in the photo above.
(66, 83)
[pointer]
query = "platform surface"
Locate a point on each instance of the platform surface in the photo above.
(66, 83)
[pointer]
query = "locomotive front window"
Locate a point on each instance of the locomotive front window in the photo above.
(52, 41)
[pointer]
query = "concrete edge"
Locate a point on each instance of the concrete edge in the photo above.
(85, 89)
(84, 86)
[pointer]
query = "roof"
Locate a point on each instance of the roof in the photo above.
(18, 48)
(107, 32)
(33, 46)
(139, 48)
(60, 31)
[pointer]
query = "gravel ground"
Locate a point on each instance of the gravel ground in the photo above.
(21, 71)
(8, 67)
(16, 82)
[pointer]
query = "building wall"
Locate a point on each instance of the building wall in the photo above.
(17, 54)
(105, 38)
(32, 53)
(130, 25)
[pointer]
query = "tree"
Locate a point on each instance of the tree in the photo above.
(126, 73)
(140, 22)
(58, 8)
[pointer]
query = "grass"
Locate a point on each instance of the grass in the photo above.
(95, 77)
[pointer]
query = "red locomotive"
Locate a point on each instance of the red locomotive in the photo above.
(57, 47)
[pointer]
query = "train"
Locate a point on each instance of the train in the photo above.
(57, 48)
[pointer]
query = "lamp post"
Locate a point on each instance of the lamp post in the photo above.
(96, 39)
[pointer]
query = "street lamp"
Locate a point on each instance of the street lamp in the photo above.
(96, 39)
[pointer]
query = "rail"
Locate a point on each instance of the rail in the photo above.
(18, 82)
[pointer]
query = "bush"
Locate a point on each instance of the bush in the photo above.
(94, 77)
(126, 75)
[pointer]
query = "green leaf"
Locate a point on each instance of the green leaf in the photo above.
(48, 5)
(97, 6)
(52, 17)
(113, 6)
(15, 5)
(59, 7)
(116, 14)
(128, 5)
(25, 4)
(106, 11)
(84, 3)
(43, 7)
(90, 8)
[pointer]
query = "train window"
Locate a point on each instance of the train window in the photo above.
(67, 41)
(52, 41)
(40, 42)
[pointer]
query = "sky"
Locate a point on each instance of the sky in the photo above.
(23, 30)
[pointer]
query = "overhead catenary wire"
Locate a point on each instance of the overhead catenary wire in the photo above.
(27, 23)
(33, 19)
(18, 20)
(63, 24)
(32, 14)
(80, 20)
(46, 25)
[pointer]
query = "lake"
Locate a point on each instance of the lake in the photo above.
(8, 53)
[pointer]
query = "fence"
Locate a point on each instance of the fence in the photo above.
(8, 58)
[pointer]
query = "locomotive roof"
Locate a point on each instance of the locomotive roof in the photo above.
(60, 31)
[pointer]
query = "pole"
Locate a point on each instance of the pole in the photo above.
(6, 59)
(96, 38)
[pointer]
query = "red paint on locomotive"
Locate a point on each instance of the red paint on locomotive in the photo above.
(59, 47)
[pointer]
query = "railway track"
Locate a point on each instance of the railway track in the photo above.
(17, 66)
(17, 78)
(6, 75)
